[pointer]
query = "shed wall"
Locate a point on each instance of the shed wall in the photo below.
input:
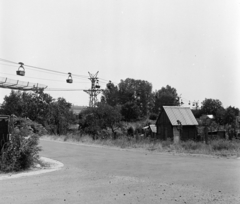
(189, 133)
(164, 127)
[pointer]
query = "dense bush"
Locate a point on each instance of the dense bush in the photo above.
(29, 126)
(20, 152)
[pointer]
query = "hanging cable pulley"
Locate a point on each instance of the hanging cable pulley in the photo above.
(97, 86)
(21, 70)
(69, 80)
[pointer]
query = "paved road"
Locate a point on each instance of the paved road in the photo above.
(107, 175)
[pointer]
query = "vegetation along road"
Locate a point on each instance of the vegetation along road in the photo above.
(109, 175)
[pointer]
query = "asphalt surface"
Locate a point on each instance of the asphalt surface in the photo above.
(108, 175)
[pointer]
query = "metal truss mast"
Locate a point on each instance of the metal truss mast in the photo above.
(94, 91)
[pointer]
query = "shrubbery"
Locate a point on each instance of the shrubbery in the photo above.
(219, 145)
(21, 152)
(29, 126)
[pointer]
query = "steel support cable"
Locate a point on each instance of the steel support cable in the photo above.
(44, 78)
(8, 61)
(53, 71)
(49, 73)
(10, 65)
(32, 69)
(44, 69)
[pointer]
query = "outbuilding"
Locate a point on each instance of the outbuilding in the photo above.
(176, 123)
(150, 130)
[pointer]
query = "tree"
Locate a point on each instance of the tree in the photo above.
(138, 92)
(110, 94)
(130, 111)
(166, 96)
(27, 104)
(211, 106)
(219, 116)
(60, 116)
(104, 116)
(230, 115)
(110, 117)
(197, 113)
(40, 107)
(13, 104)
(36, 106)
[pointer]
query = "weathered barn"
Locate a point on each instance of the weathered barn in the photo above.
(176, 123)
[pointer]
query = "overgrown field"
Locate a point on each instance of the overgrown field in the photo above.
(223, 148)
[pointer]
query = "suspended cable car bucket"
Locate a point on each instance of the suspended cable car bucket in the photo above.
(97, 86)
(69, 80)
(21, 70)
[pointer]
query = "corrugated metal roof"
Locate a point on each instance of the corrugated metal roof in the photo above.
(153, 128)
(183, 114)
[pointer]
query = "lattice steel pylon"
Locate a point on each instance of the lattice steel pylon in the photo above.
(94, 91)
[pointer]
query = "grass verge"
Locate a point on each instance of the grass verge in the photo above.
(223, 148)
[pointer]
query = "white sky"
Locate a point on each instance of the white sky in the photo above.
(192, 45)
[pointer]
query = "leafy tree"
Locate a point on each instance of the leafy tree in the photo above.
(27, 104)
(197, 113)
(211, 106)
(129, 93)
(230, 115)
(13, 104)
(40, 107)
(60, 116)
(104, 116)
(136, 91)
(110, 117)
(166, 96)
(219, 116)
(36, 106)
(130, 111)
(111, 94)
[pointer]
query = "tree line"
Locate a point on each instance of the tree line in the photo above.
(54, 115)
(130, 100)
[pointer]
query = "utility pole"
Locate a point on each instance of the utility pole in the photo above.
(94, 91)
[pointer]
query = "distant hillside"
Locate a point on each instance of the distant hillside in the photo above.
(77, 109)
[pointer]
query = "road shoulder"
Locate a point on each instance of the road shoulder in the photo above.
(50, 166)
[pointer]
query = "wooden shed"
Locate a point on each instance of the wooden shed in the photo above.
(150, 130)
(176, 123)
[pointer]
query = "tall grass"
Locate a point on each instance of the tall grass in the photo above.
(215, 147)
